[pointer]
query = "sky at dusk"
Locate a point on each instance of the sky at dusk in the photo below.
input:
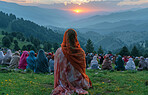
(85, 5)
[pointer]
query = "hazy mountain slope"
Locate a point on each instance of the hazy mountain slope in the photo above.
(107, 25)
(10, 23)
(141, 14)
(117, 27)
(131, 37)
(38, 15)
(109, 43)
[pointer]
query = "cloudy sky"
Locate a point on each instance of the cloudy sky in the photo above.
(90, 5)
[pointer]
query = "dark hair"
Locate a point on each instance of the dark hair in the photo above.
(71, 36)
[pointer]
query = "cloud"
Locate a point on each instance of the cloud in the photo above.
(78, 2)
(23, 1)
(132, 2)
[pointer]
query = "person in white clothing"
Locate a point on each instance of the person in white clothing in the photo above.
(94, 63)
(130, 65)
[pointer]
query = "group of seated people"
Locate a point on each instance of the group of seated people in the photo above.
(121, 63)
(69, 63)
(43, 63)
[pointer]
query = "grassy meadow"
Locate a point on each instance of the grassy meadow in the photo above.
(104, 83)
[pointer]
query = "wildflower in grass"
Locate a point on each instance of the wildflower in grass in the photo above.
(1, 82)
(34, 78)
(7, 94)
(131, 91)
(5, 80)
(103, 82)
(118, 88)
(10, 80)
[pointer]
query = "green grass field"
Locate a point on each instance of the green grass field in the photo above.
(104, 83)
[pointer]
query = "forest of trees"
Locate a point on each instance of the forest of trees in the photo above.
(124, 51)
(28, 28)
(35, 44)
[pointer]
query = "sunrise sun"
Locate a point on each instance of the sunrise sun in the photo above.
(77, 11)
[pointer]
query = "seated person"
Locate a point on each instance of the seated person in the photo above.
(15, 60)
(130, 65)
(31, 60)
(142, 64)
(7, 58)
(94, 63)
(120, 64)
(23, 61)
(51, 64)
(42, 65)
(69, 67)
(107, 65)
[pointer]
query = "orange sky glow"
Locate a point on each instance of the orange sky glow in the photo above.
(79, 10)
(83, 6)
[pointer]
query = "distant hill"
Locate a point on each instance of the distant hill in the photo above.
(38, 15)
(111, 40)
(43, 16)
(10, 23)
(141, 14)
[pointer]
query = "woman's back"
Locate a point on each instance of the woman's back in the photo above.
(15, 61)
(120, 64)
(31, 61)
(66, 74)
(94, 63)
(130, 65)
(7, 58)
(69, 67)
(51, 65)
(107, 64)
(42, 65)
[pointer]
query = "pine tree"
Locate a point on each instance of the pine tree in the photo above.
(135, 51)
(145, 55)
(28, 40)
(33, 48)
(24, 47)
(29, 46)
(23, 39)
(36, 42)
(6, 33)
(100, 50)
(124, 51)
(6, 41)
(55, 46)
(89, 46)
(16, 47)
(47, 46)
(109, 52)
(3, 33)
(15, 42)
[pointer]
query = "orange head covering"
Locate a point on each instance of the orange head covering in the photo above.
(74, 53)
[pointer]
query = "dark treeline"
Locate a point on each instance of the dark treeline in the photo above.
(133, 50)
(28, 28)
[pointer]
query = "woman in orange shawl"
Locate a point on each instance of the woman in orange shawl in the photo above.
(69, 67)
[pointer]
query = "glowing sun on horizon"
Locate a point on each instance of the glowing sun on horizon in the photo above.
(77, 11)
